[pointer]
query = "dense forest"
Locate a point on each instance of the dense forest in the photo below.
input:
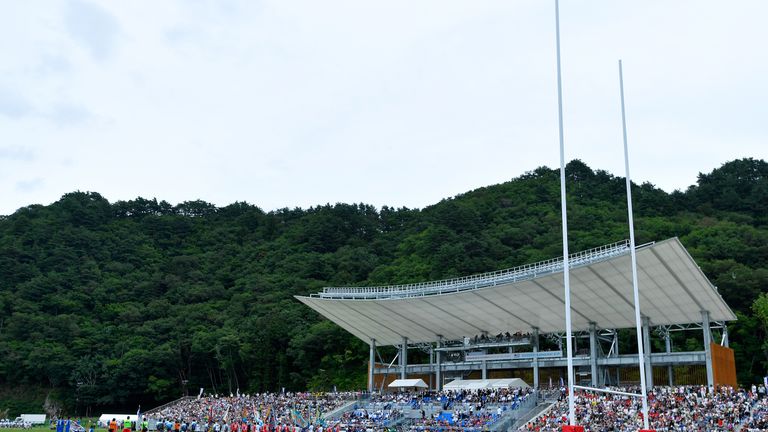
(114, 304)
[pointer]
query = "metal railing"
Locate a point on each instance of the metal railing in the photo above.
(515, 274)
(510, 417)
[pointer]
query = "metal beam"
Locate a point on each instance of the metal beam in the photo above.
(626, 360)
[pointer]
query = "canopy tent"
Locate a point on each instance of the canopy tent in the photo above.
(461, 384)
(33, 418)
(509, 382)
(457, 384)
(403, 383)
(673, 290)
(477, 384)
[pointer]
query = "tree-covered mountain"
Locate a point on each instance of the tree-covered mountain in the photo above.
(116, 304)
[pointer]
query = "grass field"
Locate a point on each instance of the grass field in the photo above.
(47, 428)
(40, 428)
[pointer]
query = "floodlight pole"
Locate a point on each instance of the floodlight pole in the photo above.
(566, 266)
(635, 290)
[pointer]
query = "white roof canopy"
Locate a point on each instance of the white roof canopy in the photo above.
(673, 290)
(461, 384)
(398, 383)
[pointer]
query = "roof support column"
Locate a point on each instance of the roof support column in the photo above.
(371, 365)
(707, 348)
(725, 335)
(593, 353)
(536, 358)
(647, 352)
(668, 346)
(485, 369)
(438, 370)
(403, 358)
(614, 352)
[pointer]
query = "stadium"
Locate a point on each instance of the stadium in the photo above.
(487, 371)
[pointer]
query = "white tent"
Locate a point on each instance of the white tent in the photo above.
(457, 384)
(460, 384)
(33, 418)
(477, 384)
(401, 383)
(508, 382)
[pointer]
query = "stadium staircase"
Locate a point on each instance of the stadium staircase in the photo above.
(538, 411)
(349, 406)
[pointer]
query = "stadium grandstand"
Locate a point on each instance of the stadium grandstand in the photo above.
(486, 371)
(483, 335)
(491, 325)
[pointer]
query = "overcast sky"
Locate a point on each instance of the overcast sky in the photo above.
(400, 103)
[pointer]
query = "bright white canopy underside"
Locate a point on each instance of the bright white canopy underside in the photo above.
(673, 290)
(462, 384)
(402, 383)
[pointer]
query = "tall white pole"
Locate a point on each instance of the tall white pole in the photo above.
(566, 266)
(638, 323)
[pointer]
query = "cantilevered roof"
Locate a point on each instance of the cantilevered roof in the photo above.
(673, 290)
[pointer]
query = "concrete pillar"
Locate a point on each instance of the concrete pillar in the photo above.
(485, 370)
(647, 345)
(707, 348)
(668, 346)
(439, 372)
(431, 367)
(575, 342)
(593, 353)
(725, 335)
(404, 358)
(371, 364)
(535, 358)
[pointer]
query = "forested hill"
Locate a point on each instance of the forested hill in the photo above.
(115, 304)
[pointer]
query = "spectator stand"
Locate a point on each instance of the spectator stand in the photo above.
(682, 408)
(493, 322)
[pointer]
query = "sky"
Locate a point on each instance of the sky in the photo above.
(296, 103)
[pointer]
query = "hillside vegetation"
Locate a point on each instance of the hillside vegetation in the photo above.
(116, 304)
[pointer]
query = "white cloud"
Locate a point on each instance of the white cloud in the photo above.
(399, 103)
(92, 27)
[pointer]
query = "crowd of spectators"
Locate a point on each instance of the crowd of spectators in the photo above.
(468, 410)
(248, 413)
(758, 420)
(448, 397)
(683, 408)
(501, 337)
(363, 419)
(293, 412)
(14, 424)
(679, 409)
